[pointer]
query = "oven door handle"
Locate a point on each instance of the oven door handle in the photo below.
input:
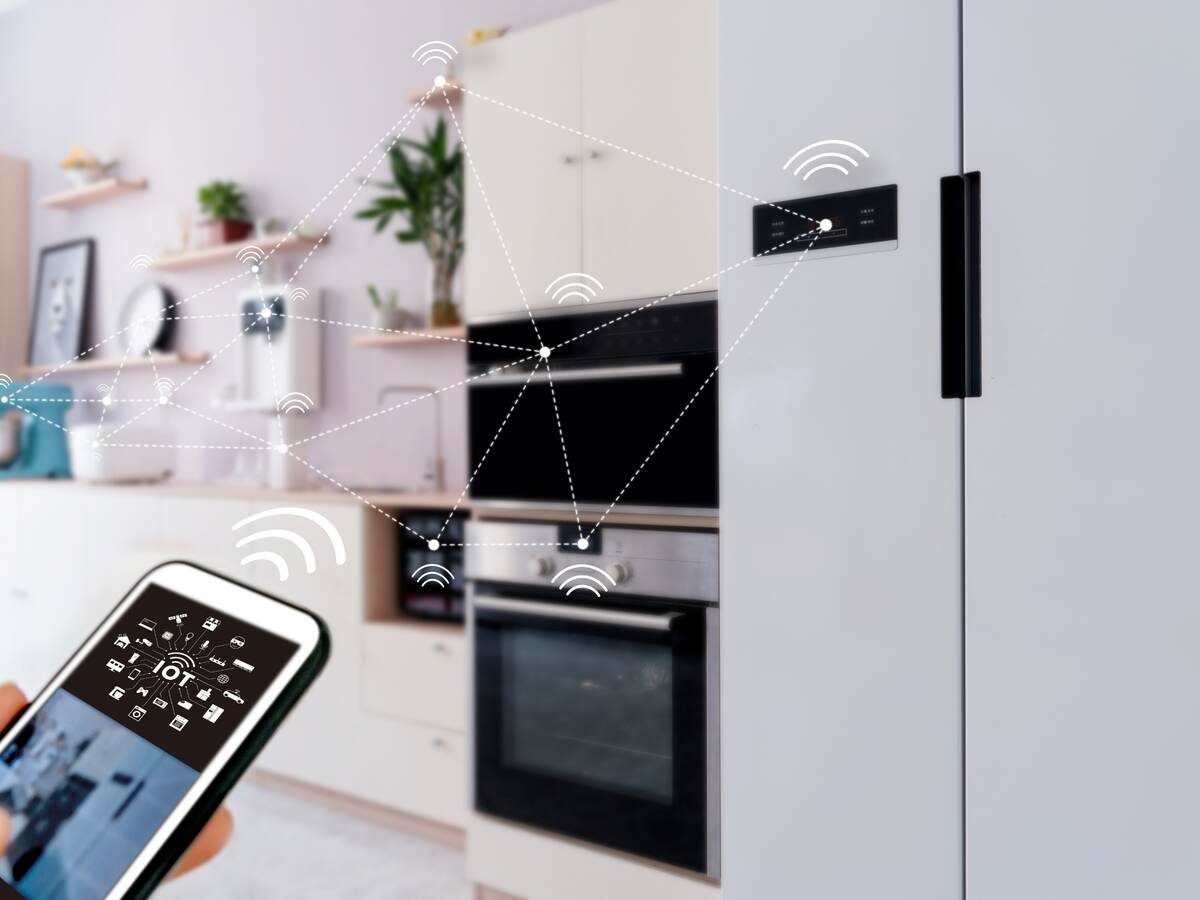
(596, 373)
(641, 621)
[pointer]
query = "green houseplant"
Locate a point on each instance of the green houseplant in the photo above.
(426, 193)
(224, 205)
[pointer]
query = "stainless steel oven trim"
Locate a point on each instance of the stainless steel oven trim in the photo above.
(597, 373)
(712, 671)
(697, 512)
(641, 621)
(615, 306)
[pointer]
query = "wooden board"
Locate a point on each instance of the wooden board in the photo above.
(227, 253)
(95, 192)
(111, 363)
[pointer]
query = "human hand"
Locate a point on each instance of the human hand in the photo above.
(206, 845)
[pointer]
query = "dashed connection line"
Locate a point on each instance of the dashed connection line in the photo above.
(492, 215)
(563, 441)
(711, 375)
(491, 444)
(634, 153)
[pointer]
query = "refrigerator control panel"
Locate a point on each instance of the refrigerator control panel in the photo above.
(850, 219)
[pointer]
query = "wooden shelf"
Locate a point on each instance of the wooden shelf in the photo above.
(226, 253)
(93, 193)
(455, 334)
(453, 93)
(111, 364)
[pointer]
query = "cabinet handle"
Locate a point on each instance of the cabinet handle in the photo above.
(439, 647)
(594, 154)
(440, 743)
(570, 159)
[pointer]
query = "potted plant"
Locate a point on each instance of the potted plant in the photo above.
(426, 192)
(224, 205)
(388, 312)
(82, 168)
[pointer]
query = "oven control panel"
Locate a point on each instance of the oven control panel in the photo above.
(678, 565)
(827, 222)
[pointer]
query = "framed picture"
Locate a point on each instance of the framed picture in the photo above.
(62, 295)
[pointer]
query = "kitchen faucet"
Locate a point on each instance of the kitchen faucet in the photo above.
(422, 390)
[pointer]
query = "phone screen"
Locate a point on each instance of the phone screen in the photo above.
(90, 779)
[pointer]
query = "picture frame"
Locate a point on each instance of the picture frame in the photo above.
(62, 298)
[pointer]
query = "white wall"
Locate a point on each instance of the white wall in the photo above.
(840, 468)
(283, 97)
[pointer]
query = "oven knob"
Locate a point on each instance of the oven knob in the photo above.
(619, 572)
(540, 566)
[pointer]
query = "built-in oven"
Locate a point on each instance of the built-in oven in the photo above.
(619, 377)
(595, 685)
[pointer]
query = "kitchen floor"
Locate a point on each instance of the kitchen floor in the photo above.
(284, 846)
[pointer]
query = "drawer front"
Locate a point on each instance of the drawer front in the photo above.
(426, 773)
(416, 673)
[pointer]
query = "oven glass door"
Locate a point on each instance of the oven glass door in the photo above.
(590, 722)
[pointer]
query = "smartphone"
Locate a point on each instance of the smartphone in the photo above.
(115, 767)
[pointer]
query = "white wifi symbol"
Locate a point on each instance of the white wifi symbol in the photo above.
(824, 154)
(435, 51)
(284, 534)
(574, 284)
(582, 580)
(298, 295)
(432, 573)
(295, 401)
(252, 256)
(5, 381)
(165, 387)
(140, 263)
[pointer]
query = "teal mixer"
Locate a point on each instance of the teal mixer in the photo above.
(33, 437)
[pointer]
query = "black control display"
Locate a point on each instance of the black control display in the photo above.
(865, 216)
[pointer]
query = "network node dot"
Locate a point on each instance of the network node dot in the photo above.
(434, 544)
(281, 449)
(95, 445)
(582, 543)
(440, 81)
(544, 353)
(106, 401)
(162, 401)
(826, 225)
(265, 312)
(4, 399)
(254, 269)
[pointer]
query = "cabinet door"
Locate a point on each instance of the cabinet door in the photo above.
(1083, 641)
(529, 169)
(650, 87)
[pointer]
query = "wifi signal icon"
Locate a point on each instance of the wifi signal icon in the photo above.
(825, 154)
(252, 256)
(284, 534)
(432, 574)
(140, 263)
(297, 295)
(574, 284)
(104, 389)
(5, 382)
(295, 401)
(165, 387)
(582, 581)
(181, 659)
(435, 51)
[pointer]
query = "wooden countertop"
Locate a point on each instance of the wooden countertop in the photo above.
(382, 499)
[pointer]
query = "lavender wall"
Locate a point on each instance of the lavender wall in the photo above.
(283, 97)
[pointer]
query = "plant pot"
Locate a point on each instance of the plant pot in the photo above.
(392, 318)
(443, 311)
(214, 232)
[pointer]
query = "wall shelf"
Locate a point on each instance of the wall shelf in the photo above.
(93, 193)
(112, 364)
(454, 93)
(226, 253)
(454, 334)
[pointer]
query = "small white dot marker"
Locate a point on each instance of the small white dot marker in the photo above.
(4, 399)
(265, 312)
(826, 225)
(281, 449)
(254, 269)
(582, 543)
(434, 544)
(95, 445)
(162, 401)
(107, 401)
(544, 353)
(440, 81)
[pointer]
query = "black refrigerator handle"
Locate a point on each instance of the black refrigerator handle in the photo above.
(961, 365)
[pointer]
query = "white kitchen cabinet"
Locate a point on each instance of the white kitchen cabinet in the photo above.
(650, 88)
(416, 672)
(639, 78)
(522, 180)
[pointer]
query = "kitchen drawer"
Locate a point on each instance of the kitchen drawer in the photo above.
(416, 672)
(424, 773)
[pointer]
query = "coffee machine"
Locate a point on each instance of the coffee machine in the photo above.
(33, 436)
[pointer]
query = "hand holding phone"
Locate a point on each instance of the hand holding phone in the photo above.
(114, 769)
